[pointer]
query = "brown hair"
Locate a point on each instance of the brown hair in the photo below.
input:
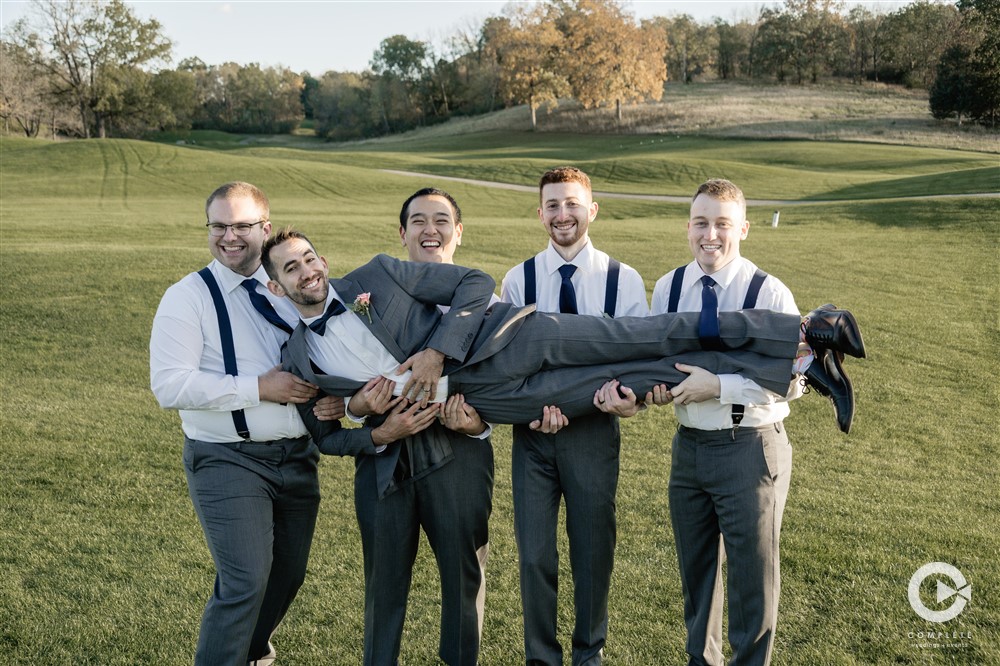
(276, 239)
(563, 174)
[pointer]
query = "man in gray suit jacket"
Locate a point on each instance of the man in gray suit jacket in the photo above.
(508, 362)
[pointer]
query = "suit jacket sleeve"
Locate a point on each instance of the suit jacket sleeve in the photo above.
(331, 437)
(466, 290)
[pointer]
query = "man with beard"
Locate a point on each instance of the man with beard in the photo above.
(580, 462)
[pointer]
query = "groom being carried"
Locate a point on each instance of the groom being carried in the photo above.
(507, 361)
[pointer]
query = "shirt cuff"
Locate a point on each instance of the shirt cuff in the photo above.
(351, 415)
(248, 388)
(484, 434)
(729, 389)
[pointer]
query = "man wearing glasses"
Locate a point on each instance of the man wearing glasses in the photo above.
(250, 465)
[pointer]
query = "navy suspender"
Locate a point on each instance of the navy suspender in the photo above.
(756, 282)
(749, 303)
(610, 288)
(228, 350)
(675, 289)
(529, 282)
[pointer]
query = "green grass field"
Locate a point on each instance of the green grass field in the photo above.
(103, 561)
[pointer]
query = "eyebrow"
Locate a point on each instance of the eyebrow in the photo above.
(293, 260)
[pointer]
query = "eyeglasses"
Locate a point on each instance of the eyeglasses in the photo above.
(240, 228)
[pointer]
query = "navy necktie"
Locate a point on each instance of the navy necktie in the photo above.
(708, 323)
(335, 308)
(263, 306)
(567, 294)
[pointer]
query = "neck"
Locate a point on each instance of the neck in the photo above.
(568, 253)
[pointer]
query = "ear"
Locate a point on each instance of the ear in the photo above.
(745, 229)
(275, 289)
(266, 228)
(402, 234)
(593, 210)
(458, 234)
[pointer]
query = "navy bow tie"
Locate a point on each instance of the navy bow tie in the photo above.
(335, 308)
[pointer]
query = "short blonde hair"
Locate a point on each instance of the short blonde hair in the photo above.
(721, 189)
(238, 188)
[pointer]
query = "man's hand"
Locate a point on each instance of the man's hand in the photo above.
(404, 420)
(375, 397)
(279, 386)
(552, 421)
(701, 385)
(660, 395)
(329, 408)
(609, 399)
(460, 416)
(427, 366)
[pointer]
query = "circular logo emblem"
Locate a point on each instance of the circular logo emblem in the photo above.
(960, 589)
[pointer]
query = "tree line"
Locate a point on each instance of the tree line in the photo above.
(94, 69)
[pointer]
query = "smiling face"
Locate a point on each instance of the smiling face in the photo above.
(240, 254)
(715, 230)
(431, 233)
(566, 211)
(300, 275)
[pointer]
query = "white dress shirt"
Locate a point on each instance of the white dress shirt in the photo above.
(763, 407)
(348, 349)
(589, 281)
(186, 367)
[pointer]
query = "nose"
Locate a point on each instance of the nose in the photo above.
(711, 232)
(230, 234)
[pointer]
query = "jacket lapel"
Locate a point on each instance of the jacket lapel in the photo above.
(350, 290)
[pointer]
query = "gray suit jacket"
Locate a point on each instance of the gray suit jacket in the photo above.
(405, 319)
(559, 358)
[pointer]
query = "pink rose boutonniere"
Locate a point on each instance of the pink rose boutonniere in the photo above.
(362, 305)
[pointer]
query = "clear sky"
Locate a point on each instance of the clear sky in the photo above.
(321, 35)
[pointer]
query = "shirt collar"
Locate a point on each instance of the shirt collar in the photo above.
(231, 280)
(723, 277)
(552, 260)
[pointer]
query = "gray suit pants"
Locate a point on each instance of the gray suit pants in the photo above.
(570, 356)
(735, 487)
(452, 503)
(257, 504)
(580, 464)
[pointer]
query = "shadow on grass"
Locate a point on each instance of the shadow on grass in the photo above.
(971, 214)
(964, 181)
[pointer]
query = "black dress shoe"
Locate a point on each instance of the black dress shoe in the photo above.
(826, 327)
(827, 376)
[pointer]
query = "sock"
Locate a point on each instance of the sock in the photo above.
(802, 362)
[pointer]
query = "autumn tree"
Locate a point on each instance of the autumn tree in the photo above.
(608, 58)
(691, 47)
(525, 45)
